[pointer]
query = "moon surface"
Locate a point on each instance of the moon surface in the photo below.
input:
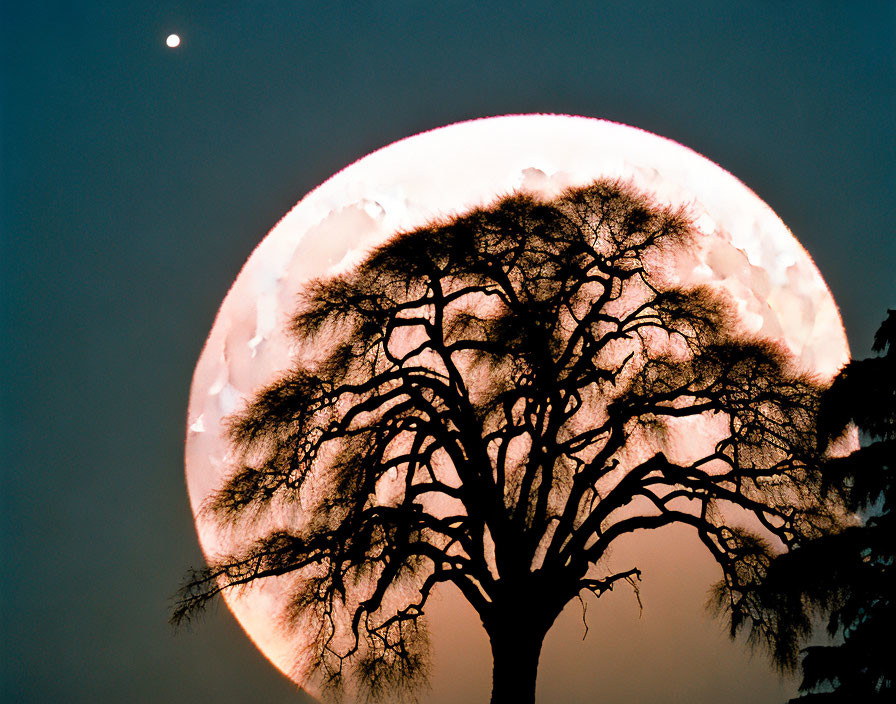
(173, 41)
(744, 248)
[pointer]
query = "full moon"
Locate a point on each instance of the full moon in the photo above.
(744, 248)
(173, 41)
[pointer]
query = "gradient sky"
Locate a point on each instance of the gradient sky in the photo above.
(137, 179)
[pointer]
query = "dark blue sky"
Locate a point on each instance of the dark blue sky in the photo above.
(136, 180)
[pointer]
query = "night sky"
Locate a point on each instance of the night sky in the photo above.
(137, 179)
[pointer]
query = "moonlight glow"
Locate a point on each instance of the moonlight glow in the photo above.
(744, 249)
(173, 41)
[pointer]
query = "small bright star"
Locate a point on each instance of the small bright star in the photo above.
(173, 40)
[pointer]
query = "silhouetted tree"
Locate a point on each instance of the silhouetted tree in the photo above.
(485, 402)
(849, 577)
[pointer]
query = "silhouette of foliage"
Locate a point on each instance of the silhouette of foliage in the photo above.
(848, 577)
(485, 402)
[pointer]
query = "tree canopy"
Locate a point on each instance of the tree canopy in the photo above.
(491, 401)
(848, 577)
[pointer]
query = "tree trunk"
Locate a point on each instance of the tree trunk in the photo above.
(516, 647)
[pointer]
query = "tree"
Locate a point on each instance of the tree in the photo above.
(489, 402)
(848, 577)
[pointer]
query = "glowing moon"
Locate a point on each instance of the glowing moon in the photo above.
(173, 41)
(745, 248)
